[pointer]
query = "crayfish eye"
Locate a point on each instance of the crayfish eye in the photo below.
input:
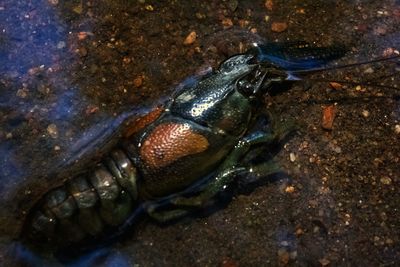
(245, 87)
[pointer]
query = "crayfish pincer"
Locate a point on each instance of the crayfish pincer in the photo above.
(178, 156)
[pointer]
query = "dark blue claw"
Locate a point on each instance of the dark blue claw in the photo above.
(294, 56)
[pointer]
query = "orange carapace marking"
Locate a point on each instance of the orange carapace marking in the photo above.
(169, 142)
(139, 123)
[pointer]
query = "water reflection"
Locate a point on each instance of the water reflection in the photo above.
(33, 44)
(49, 120)
(105, 257)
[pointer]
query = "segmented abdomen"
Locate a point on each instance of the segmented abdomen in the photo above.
(85, 206)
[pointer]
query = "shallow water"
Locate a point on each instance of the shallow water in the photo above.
(72, 70)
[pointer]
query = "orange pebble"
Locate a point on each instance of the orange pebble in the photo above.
(328, 116)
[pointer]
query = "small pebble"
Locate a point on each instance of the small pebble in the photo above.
(82, 35)
(299, 231)
(57, 148)
(82, 51)
(243, 23)
(292, 157)
(269, 4)
(397, 128)
(227, 23)
(380, 30)
(328, 116)
(61, 45)
(190, 39)
(335, 85)
(365, 113)
(293, 255)
(369, 70)
(347, 218)
(396, 12)
(253, 30)
(284, 243)
(279, 26)
(289, 189)
(386, 180)
(22, 93)
(388, 52)
(200, 15)
(283, 256)
(91, 109)
(149, 8)
(52, 130)
(335, 148)
(138, 81)
(53, 2)
(233, 5)
(228, 262)
(324, 262)
(301, 11)
(78, 9)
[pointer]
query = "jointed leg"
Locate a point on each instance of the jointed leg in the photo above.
(227, 171)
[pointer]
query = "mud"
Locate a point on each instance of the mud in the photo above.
(70, 70)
